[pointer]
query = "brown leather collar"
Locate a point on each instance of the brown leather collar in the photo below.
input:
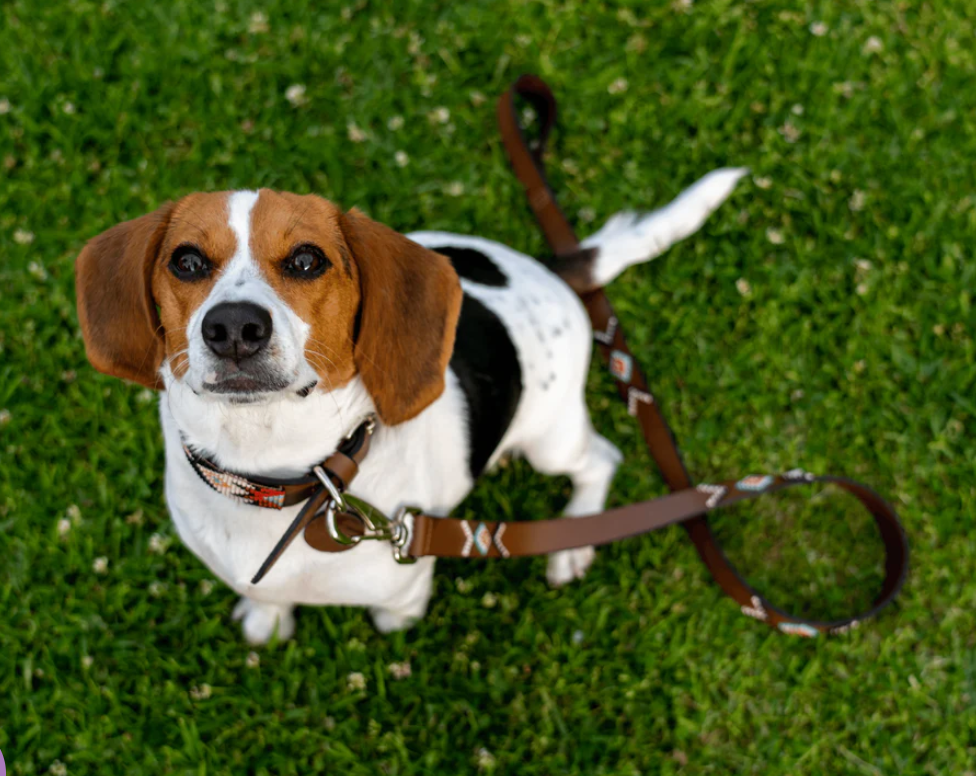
(321, 487)
(413, 535)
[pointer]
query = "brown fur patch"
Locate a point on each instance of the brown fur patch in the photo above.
(113, 275)
(280, 222)
(411, 299)
(200, 220)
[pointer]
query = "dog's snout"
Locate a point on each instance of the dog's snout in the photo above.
(236, 330)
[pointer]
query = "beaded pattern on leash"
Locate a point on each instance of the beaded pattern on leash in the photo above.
(716, 491)
(606, 337)
(634, 396)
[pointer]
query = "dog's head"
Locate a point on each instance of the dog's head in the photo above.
(248, 296)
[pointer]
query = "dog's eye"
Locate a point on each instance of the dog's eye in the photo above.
(306, 261)
(188, 263)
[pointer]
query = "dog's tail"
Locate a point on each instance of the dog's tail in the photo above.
(629, 238)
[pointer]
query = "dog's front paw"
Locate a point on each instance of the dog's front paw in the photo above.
(390, 620)
(259, 620)
(567, 565)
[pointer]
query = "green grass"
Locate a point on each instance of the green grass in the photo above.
(852, 352)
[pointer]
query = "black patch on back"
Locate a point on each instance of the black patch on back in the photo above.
(487, 367)
(474, 266)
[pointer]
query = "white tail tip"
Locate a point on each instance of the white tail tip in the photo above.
(628, 238)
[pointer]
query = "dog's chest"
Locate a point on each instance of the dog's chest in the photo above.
(416, 463)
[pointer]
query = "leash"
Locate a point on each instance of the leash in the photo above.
(632, 387)
(332, 521)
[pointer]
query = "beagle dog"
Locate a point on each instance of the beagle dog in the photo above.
(273, 324)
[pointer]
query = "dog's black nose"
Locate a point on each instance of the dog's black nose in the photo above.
(236, 330)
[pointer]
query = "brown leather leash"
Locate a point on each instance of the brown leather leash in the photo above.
(333, 522)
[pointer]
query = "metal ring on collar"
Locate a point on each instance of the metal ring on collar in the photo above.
(329, 485)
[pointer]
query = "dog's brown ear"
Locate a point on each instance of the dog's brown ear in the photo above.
(113, 282)
(410, 301)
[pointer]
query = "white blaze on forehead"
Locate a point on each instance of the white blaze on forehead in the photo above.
(239, 207)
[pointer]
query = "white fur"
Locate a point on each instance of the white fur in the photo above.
(423, 462)
(628, 238)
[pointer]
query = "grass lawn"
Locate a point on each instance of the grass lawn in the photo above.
(822, 318)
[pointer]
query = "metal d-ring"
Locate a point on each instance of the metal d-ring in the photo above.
(402, 535)
(329, 485)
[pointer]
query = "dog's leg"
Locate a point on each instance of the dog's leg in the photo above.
(574, 449)
(259, 620)
(409, 607)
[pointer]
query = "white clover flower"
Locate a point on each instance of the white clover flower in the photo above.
(454, 189)
(797, 110)
(857, 200)
(819, 29)
(618, 86)
(399, 670)
(356, 681)
(87, 661)
(439, 115)
(775, 236)
(201, 693)
(23, 237)
(74, 514)
(100, 566)
(68, 107)
(790, 132)
(4, 106)
(156, 589)
(743, 287)
(4, 417)
(872, 45)
(37, 270)
(58, 768)
(763, 182)
(477, 98)
(295, 94)
(356, 134)
(158, 544)
(485, 760)
(253, 660)
(258, 23)
(401, 158)
(206, 586)
(395, 123)
(489, 600)
(64, 525)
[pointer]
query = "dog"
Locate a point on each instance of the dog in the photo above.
(273, 324)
